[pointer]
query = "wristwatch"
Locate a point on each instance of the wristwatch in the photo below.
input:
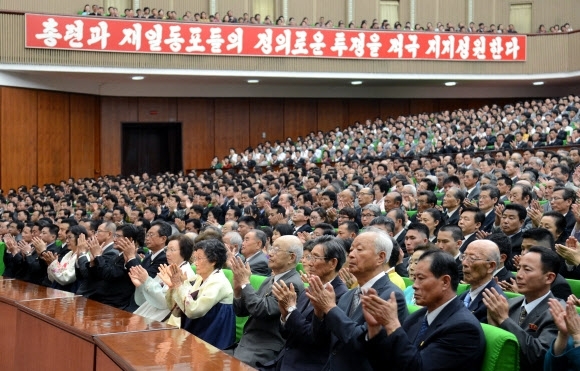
(290, 309)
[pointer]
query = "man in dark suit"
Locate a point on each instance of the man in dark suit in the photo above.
(505, 251)
(480, 261)
(302, 351)
(452, 201)
(562, 200)
(511, 223)
(254, 241)
(33, 267)
(488, 198)
(528, 317)
(443, 335)
(339, 326)
(398, 216)
(300, 218)
(156, 242)
(470, 222)
(449, 239)
(262, 340)
(90, 283)
(116, 289)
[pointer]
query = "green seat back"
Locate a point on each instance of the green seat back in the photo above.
(256, 282)
(506, 202)
(411, 213)
(575, 286)
(230, 275)
(502, 351)
(461, 288)
(408, 281)
(413, 308)
(2, 252)
(543, 202)
(511, 295)
(300, 268)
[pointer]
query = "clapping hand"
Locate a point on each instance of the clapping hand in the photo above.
(348, 278)
(509, 285)
(378, 311)
(286, 296)
(321, 296)
(138, 275)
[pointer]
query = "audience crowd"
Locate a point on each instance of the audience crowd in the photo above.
(229, 17)
(355, 228)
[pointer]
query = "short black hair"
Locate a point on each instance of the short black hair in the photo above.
(550, 260)
(248, 220)
(503, 243)
(559, 219)
(419, 227)
(351, 226)
(442, 264)
(328, 229)
(541, 236)
(456, 232)
(522, 213)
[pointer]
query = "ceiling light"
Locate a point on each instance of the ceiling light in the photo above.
(450, 83)
(538, 83)
(137, 78)
(253, 81)
(356, 82)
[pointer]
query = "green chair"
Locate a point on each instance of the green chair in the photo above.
(300, 268)
(506, 202)
(256, 282)
(230, 275)
(413, 308)
(2, 252)
(502, 351)
(408, 281)
(575, 286)
(511, 295)
(411, 213)
(461, 288)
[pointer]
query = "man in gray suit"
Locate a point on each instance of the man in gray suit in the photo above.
(528, 317)
(261, 341)
(254, 242)
(341, 324)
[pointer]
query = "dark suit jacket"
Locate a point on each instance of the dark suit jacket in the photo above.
(561, 288)
(401, 241)
(570, 223)
(302, 351)
(342, 332)
(476, 306)
(466, 242)
(117, 289)
(453, 341)
(259, 265)
(34, 269)
(262, 340)
(152, 266)
(488, 222)
(504, 275)
(451, 220)
(90, 284)
(474, 194)
(305, 228)
(534, 340)
(516, 241)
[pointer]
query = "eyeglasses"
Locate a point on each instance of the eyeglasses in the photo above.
(276, 250)
(556, 198)
(101, 230)
(195, 258)
(471, 259)
(367, 215)
(314, 257)
(151, 235)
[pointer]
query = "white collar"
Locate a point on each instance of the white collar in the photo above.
(533, 304)
(433, 315)
(372, 281)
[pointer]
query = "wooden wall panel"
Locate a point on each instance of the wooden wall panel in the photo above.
(300, 9)
(266, 116)
(394, 107)
(194, 6)
(300, 117)
(427, 11)
(84, 121)
(331, 10)
(18, 138)
(363, 109)
(238, 7)
(157, 110)
(114, 111)
(423, 105)
(53, 137)
(197, 118)
(332, 113)
(232, 125)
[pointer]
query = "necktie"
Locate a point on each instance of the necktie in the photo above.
(422, 331)
(355, 301)
(523, 315)
(467, 300)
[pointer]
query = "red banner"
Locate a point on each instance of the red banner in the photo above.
(151, 36)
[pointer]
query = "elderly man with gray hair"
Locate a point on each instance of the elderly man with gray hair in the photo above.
(480, 262)
(233, 242)
(368, 213)
(341, 325)
(262, 341)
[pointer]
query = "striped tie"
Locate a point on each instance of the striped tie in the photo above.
(523, 315)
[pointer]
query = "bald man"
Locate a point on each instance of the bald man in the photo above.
(480, 261)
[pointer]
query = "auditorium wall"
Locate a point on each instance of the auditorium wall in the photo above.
(50, 136)
(487, 11)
